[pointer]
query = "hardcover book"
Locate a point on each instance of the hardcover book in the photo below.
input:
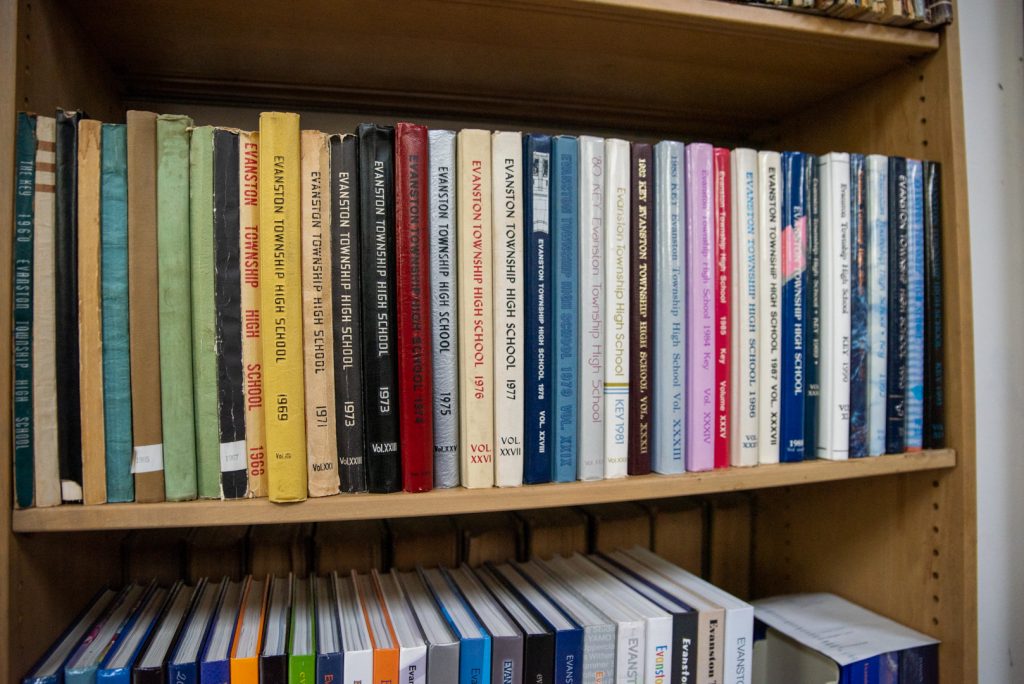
(812, 306)
(22, 318)
(746, 285)
(934, 397)
(617, 305)
(915, 307)
(793, 241)
(723, 302)
(858, 310)
(769, 261)
(641, 169)
(897, 354)
(878, 300)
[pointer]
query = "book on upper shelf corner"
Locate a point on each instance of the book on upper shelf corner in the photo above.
(700, 309)
(723, 302)
(642, 201)
(565, 158)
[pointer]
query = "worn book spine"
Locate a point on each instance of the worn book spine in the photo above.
(899, 308)
(812, 307)
(25, 160)
(117, 393)
(443, 307)
(590, 464)
(745, 311)
(507, 224)
(174, 277)
(565, 336)
(858, 310)
(46, 469)
(227, 275)
(878, 300)
(144, 309)
(476, 345)
(252, 324)
(617, 305)
(769, 261)
(317, 318)
(380, 349)
(700, 307)
(934, 398)
(915, 307)
(347, 313)
(641, 169)
(415, 380)
(281, 304)
(204, 316)
(537, 309)
(723, 302)
(793, 239)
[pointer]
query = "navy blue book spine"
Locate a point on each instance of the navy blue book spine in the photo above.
(858, 309)
(794, 301)
(899, 320)
(569, 656)
(812, 356)
(934, 399)
(919, 665)
(328, 668)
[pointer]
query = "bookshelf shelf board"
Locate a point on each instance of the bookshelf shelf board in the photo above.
(456, 501)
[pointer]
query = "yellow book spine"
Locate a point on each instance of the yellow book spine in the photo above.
(281, 299)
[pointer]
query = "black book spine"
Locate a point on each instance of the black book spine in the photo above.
(347, 312)
(228, 294)
(69, 425)
(539, 658)
(684, 644)
(380, 349)
(273, 669)
(858, 310)
(899, 321)
(812, 359)
(934, 412)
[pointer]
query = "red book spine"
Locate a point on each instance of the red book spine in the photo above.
(723, 226)
(415, 391)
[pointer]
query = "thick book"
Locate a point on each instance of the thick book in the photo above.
(116, 668)
(509, 305)
(105, 634)
(317, 317)
(152, 663)
(69, 425)
(812, 306)
(442, 644)
(793, 241)
(590, 464)
(476, 344)
(746, 285)
(377, 267)
(538, 638)
(769, 261)
(537, 373)
(641, 177)
(915, 307)
(565, 300)
(859, 348)
(327, 645)
(246, 628)
(474, 641)
(506, 638)
(357, 656)
(281, 304)
(381, 630)
(723, 302)
(175, 278)
(934, 397)
(347, 313)
(415, 379)
(617, 304)
(877, 204)
(22, 254)
(144, 308)
(412, 645)
(182, 665)
(302, 633)
(897, 353)
(444, 306)
(700, 307)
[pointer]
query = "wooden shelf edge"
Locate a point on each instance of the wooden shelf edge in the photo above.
(456, 501)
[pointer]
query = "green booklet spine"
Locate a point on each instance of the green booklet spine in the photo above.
(25, 182)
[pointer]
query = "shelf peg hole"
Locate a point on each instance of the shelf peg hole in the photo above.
(935, 575)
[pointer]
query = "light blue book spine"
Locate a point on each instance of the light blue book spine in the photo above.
(565, 224)
(117, 394)
(475, 660)
(669, 376)
(915, 357)
(878, 298)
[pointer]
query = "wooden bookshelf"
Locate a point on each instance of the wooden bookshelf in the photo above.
(896, 534)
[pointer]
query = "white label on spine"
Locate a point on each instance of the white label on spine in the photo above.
(232, 456)
(148, 458)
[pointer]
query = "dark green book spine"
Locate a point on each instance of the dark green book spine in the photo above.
(22, 319)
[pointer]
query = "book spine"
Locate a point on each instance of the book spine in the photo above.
(723, 302)
(444, 308)
(899, 309)
(915, 307)
(117, 397)
(769, 260)
(281, 304)
(507, 191)
(794, 300)
(536, 266)
(700, 307)
(415, 391)
(317, 318)
(669, 374)
(858, 310)
(745, 311)
(617, 304)
(592, 300)
(227, 276)
(934, 399)
(347, 313)
(877, 205)
(25, 160)
(565, 299)
(812, 306)
(174, 268)
(377, 264)
(476, 344)
(204, 317)
(641, 169)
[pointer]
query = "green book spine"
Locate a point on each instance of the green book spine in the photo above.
(174, 269)
(22, 318)
(302, 667)
(204, 313)
(117, 387)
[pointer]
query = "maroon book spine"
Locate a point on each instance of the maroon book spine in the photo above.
(642, 182)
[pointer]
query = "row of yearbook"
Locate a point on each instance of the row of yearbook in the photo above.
(626, 616)
(287, 313)
(913, 13)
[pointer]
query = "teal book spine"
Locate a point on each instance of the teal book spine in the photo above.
(24, 200)
(566, 296)
(117, 390)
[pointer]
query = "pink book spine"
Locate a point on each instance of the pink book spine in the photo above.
(700, 307)
(723, 334)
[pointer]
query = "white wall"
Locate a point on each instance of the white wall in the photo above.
(992, 47)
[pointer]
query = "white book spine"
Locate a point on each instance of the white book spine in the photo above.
(669, 377)
(630, 651)
(658, 658)
(746, 322)
(358, 667)
(769, 208)
(592, 303)
(507, 242)
(616, 373)
(834, 373)
(412, 664)
(878, 298)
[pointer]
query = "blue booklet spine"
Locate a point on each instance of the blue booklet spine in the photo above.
(919, 665)
(899, 307)
(794, 281)
(812, 308)
(565, 331)
(865, 671)
(859, 349)
(537, 265)
(475, 660)
(889, 670)
(878, 299)
(183, 673)
(569, 656)
(915, 307)
(329, 668)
